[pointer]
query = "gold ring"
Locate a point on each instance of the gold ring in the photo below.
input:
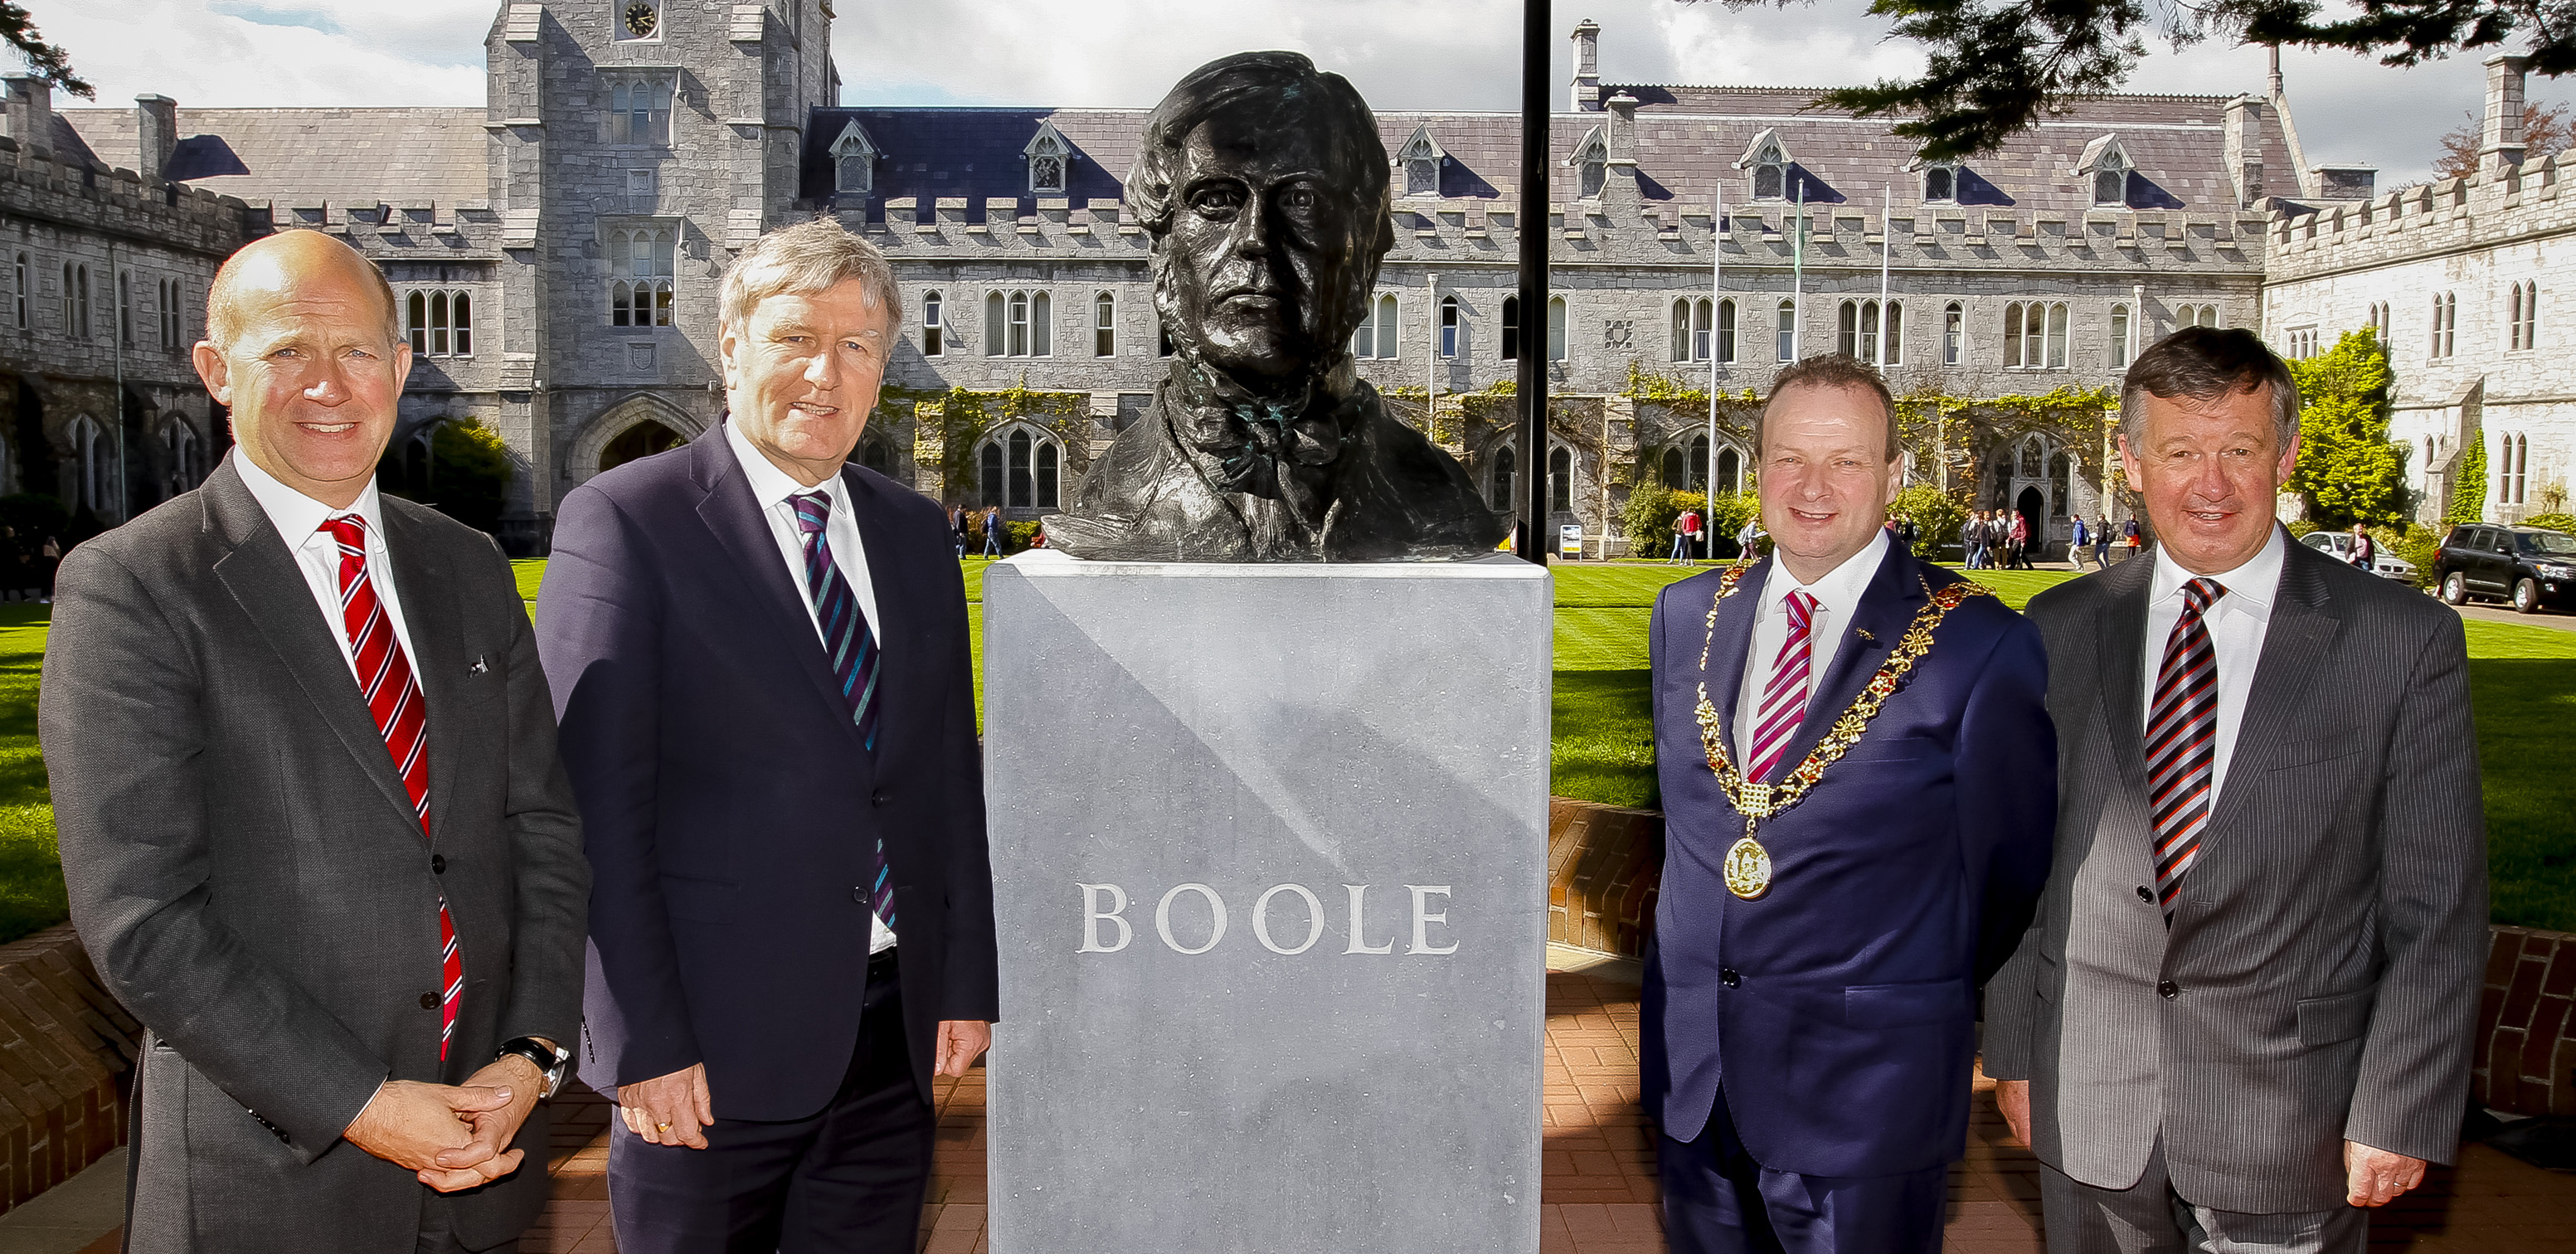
(662, 1127)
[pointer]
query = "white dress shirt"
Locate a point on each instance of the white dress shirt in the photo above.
(2236, 622)
(1837, 598)
(298, 519)
(771, 487)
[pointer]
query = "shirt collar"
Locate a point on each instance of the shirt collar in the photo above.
(1840, 590)
(2250, 587)
(769, 484)
(297, 517)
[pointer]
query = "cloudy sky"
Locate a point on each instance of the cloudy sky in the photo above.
(1424, 54)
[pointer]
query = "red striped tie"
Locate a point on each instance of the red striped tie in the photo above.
(2182, 740)
(1784, 698)
(393, 697)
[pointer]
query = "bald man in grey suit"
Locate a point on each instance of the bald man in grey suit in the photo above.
(2243, 1012)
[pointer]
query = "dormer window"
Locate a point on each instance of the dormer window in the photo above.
(1768, 160)
(854, 161)
(1420, 160)
(1940, 183)
(1591, 162)
(2107, 164)
(1048, 155)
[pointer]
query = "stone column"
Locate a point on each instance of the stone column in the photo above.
(1587, 67)
(31, 111)
(2245, 149)
(156, 134)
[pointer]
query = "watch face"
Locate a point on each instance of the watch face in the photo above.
(641, 19)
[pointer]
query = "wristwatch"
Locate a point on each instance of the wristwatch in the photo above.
(552, 1061)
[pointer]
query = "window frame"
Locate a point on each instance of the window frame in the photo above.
(623, 89)
(641, 299)
(1452, 328)
(1104, 324)
(1954, 333)
(934, 331)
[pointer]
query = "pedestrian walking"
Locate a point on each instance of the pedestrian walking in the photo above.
(2075, 547)
(2363, 553)
(1747, 535)
(1684, 528)
(2018, 555)
(2102, 542)
(957, 528)
(1972, 540)
(992, 531)
(2129, 538)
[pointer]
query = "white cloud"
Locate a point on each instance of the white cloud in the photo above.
(1460, 54)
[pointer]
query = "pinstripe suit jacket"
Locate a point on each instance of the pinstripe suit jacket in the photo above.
(2320, 977)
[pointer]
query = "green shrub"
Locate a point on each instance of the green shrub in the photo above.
(2469, 490)
(1647, 521)
(1019, 535)
(1936, 515)
(2301, 528)
(2552, 522)
(1734, 509)
(2417, 544)
(467, 476)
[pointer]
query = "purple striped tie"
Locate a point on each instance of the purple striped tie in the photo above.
(1784, 698)
(2182, 740)
(852, 647)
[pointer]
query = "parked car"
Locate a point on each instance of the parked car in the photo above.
(2338, 545)
(2526, 566)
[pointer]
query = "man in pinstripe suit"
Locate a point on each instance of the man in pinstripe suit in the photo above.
(2243, 1010)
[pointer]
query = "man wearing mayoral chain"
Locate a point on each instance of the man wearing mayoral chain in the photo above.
(1860, 783)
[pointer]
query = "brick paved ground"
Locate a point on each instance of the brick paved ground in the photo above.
(1599, 1192)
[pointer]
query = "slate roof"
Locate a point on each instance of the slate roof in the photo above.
(1687, 142)
(306, 156)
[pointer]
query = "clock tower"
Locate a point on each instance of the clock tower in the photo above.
(637, 146)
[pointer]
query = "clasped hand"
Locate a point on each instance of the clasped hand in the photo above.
(452, 1137)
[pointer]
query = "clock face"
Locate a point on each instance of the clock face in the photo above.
(641, 19)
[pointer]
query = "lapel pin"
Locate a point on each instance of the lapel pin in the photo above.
(478, 667)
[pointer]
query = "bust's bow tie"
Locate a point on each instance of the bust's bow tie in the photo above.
(1257, 442)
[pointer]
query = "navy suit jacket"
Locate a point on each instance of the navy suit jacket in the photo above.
(728, 806)
(1836, 1014)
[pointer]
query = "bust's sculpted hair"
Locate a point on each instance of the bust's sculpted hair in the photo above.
(809, 257)
(1327, 100)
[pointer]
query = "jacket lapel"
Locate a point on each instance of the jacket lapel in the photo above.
(2295, 645)
(1727, 646)
(2120, 643)
(729, 512)
(901, 642)
(264, 580)
(1886, 608)
(437, 630)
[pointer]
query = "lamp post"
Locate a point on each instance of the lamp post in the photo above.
(1532, 227)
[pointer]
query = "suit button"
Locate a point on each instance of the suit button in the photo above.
(2168, 990)
(281, 1135)
(877, 798)
(859, 895)
(2146, 894)
(1728, 977)
(429, 1001)
(438, 864)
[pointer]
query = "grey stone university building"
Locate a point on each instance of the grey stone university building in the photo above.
(558, 255)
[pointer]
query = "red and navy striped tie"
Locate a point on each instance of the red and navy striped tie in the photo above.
(852, 646)
(393, 698)
(2182, 740)
(1784, 697)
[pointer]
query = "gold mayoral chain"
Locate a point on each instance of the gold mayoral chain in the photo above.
(1748, 864)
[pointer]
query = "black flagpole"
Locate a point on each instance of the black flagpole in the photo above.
(1532, 225)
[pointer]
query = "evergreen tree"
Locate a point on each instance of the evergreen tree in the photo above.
(44, 60)
(2347, 469)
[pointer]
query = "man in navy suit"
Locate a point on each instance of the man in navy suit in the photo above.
(1832, 900)
(759, 659)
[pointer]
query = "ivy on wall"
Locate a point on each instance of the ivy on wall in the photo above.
(949, 422)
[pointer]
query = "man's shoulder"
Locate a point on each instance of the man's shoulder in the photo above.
(668, 474)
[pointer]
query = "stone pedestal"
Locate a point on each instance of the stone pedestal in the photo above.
(1269, 855)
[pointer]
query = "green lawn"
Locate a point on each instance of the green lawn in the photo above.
(2522, 681)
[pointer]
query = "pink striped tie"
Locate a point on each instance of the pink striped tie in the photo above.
(1784, 698)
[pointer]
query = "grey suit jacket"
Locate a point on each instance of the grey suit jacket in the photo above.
(247, 873)
(2321, 975)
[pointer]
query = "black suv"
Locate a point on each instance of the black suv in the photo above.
(2525, 565)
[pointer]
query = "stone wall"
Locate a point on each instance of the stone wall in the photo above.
(66, 1053)
(2526, 1041)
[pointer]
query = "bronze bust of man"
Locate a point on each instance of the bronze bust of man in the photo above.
(1264, 185)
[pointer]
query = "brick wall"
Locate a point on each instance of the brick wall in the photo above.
(66, 1049)
(1603, 865)
(2526, 1061)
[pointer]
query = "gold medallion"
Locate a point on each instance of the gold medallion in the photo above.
(1748, 869)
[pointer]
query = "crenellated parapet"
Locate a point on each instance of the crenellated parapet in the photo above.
(2520, 202)
(37, 182)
